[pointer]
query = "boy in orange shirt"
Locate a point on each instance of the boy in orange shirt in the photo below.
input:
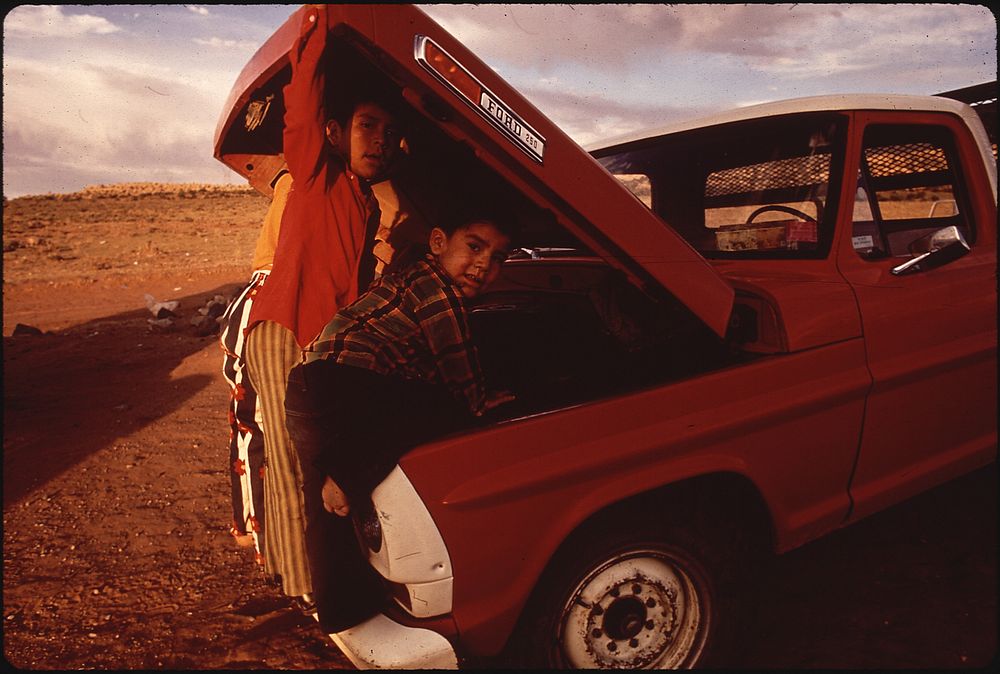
(324, 255)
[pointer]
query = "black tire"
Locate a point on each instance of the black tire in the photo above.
(649, 599)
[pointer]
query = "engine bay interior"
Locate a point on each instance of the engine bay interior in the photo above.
(561, 326)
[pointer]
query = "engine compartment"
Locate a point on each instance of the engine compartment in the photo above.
(562, 332)
(561, 326)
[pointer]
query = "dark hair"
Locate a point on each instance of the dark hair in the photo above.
(503, 219)
(342, 103)
(353, 81)
(453, 220)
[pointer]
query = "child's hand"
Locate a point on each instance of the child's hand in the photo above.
(315, 15)
(497, 398)
(334, 498)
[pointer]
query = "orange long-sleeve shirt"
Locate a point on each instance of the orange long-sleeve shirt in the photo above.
(267, 240)
(323, 227)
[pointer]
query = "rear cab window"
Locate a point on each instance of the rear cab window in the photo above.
(762, 188)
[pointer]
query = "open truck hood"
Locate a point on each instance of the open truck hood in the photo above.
(506, 132)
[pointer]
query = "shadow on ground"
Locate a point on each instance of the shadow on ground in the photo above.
(70, 393)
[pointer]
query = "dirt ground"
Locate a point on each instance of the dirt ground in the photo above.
(116, 491)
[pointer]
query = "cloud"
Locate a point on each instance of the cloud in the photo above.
(108, 124)
(793, 40)
(60, 167)
(587, 118)
(144, 101)
(220, 43)
(51, 21)
(822, 40)
(141, 102)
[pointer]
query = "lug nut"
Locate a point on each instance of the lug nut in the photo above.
(598, 610)
(649, 625)
(612, 646)
(636, 589)
(650, 602)
(634, 643)
(614, 592)
(597, 632)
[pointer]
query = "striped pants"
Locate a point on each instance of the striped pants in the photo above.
(271, 353)
(246, 440)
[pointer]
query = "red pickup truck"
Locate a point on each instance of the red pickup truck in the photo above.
(727, 338)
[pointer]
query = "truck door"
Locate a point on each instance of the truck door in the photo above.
(931, 335)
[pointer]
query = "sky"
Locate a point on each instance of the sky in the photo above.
(96, 94)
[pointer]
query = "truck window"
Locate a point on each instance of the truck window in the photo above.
(639, 185)
(745, 210)
(763, 188)
(908, 186)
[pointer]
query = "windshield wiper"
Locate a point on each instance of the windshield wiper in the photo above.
(539, 253)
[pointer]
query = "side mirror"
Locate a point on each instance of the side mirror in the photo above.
(933, 250)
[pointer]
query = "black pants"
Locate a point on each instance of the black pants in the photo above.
(353, 425)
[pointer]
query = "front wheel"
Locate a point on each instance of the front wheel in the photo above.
(637, 603)
(648, 607)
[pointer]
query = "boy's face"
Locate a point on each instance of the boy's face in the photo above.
(472, 255)
(371, 142)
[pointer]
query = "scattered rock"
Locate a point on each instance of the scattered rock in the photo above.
(205, 325)
(160, 324)
(215, 307)
(161, 310)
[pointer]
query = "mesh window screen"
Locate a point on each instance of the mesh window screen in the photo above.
(782, 173)
(892, 160)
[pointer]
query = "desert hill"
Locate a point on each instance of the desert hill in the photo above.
(129, 229)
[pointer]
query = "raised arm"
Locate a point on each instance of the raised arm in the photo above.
(305, 108)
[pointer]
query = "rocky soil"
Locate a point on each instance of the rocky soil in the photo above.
(116, 493)
(116, 549)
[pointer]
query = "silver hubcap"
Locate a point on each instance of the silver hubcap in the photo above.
(638, 610)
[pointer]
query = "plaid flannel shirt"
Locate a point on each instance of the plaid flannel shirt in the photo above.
(412, 324)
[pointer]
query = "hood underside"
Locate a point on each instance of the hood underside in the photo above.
(478, 113)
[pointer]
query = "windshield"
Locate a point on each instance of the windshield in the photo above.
(761, 188)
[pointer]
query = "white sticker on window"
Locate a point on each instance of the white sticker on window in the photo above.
(863, 242)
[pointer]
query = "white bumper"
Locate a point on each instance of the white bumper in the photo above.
(380, 643)
(412, 552)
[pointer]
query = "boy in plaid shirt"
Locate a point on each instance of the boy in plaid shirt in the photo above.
(390, 371)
